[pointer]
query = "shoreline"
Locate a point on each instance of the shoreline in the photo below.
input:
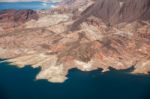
(64, 77)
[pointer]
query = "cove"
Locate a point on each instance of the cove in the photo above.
(18, 83)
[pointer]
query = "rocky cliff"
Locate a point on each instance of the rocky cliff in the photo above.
(109, 34)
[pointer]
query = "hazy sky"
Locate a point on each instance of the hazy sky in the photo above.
(25, 0)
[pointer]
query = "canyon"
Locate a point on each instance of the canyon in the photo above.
(83, 34)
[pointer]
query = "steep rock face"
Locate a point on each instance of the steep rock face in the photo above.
(11, 19)
(117, 11)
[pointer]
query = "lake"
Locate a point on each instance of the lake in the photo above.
(26, 5)
(18, 83)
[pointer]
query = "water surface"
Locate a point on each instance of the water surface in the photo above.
(18, 83)
(26, 5)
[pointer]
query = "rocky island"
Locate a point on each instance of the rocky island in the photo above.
(83, 34)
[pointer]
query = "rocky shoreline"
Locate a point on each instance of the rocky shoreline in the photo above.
(64, 38)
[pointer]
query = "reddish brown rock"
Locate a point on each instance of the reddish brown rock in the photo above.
(12, 19)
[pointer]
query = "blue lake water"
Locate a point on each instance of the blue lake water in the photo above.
(26, 5)
(18, 83)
